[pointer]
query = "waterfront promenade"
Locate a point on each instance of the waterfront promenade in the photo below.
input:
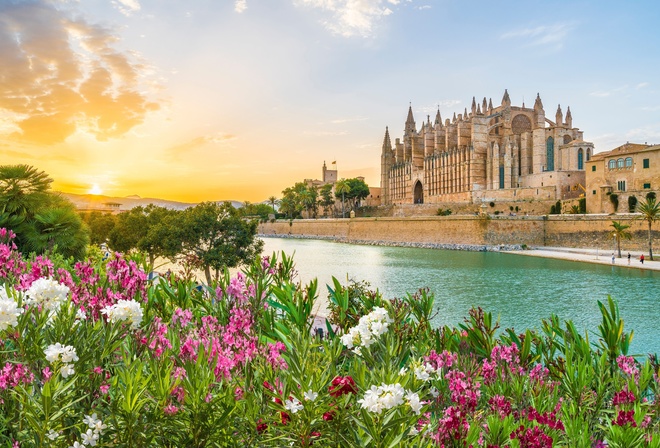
(595, 256)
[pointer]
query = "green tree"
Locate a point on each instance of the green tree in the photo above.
(326, 199)
(152, 230)
(358, 191)
(272, 200)
(650, 211)
(42, 220)
(342, 188)
(620, 231)
(100, 225)
(218, 237)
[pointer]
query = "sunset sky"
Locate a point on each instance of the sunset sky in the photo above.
(196, 100)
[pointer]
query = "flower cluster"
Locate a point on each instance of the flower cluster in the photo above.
(91, 436)
(368, 329)
(123, 310)
(47, 293)
(66, 354)
(9, 311)
(388, 396)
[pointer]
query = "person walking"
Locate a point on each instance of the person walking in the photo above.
(628, 258)
(612, 257)
(641, 258)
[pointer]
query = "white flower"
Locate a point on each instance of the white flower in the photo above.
(310, 395)
(58, 352)
(48, 293)
(91, 420)
(125, 310)
(67, 370)
(9, 311)
(403, 371)
(413, 402)
(90, 438)
(413, 431)
(434, 392)
(52, 435)
(293, 405)
(385, 396)
(368, 329)
(77, 445)
(421, 373)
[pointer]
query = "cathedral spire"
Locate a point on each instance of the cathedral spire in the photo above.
(454, 119)
(538, 105)
(474, 106)
(387, 143)
(484, 106)
(465, 115)
(478, 109)
(569, 118)
(559, 117)
(506, 101)
(438, 118)
(410, 118)
(490, 105)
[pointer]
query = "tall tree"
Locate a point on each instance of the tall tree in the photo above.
(218, 237)
(272, 200)
(620, 231)
(42, 220)
(327, 200)
(650, 211)
(100, 225)
(358, 191)
(342, 188)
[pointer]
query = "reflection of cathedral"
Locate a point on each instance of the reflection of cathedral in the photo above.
(504, 153)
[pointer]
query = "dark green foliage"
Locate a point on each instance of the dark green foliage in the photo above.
(614, 199)
(583, 205)
(100, 225)
(650, 195)
(443, 212)
(632, 203)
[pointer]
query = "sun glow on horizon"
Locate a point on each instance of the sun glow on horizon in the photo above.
(95, 190)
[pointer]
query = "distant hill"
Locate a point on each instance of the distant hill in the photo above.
(114, 204)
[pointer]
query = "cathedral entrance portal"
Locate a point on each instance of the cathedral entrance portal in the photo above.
(418, 193)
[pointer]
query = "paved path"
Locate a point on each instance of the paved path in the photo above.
(592, 256)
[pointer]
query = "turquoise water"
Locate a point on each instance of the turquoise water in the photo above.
(521, 290)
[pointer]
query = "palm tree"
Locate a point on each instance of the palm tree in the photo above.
(22, 189)
(650, 211)
(342, 187)
(272, 201)
(620, 232)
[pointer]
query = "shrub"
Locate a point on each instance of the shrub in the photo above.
(614, 199)
(632, 203)
(443, 212)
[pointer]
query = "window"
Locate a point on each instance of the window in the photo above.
(612, 164)
(647, 186)
(580, 159)
(645, 162)
(619, 163)
(593, 191)
(550, 154)
(621, 185)
(593, 167)
(628, 162)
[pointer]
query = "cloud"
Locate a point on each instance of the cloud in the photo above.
(126, 7)
(351, 17)
(197, 142)
(647, 134)
(641, 85)
(240, 6)
(348, 120)
(62, 76)
(606, 93)
(552, 36)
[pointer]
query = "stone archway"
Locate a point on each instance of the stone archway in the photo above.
(418, 193)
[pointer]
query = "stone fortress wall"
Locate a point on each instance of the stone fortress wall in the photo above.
(573, 231)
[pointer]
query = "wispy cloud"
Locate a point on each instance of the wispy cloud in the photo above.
(551, 36)
(646, 134)
(198, 142)
(641, 85)
(348, 120)
(351, 17)
(606, 93)
(62, 75)
(127, 7)
(240, 6)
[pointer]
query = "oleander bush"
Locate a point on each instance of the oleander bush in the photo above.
(95, 354)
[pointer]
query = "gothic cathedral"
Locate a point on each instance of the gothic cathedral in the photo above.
(504, 153)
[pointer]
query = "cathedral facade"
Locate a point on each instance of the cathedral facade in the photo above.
(504, 153)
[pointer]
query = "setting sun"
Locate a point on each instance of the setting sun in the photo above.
(95, 189)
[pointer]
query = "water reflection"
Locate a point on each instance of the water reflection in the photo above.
(520, 289)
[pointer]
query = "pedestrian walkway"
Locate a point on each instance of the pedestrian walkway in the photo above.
(596, 256)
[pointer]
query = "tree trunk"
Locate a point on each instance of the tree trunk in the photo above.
(618, 245)
(207, 274)
(650, 243)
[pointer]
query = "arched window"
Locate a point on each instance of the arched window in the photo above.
(619, 163)
(580, 159)
(567, 139)
(628, 162)
(611, 164)
(550, 154)
(588, 154)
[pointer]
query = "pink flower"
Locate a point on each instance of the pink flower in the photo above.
(342, 385)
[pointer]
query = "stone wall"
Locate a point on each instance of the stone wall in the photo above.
(580, 231)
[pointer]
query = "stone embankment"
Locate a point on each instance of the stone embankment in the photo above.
(470, 232)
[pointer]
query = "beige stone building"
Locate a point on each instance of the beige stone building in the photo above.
(630, 170)
(505, 153)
